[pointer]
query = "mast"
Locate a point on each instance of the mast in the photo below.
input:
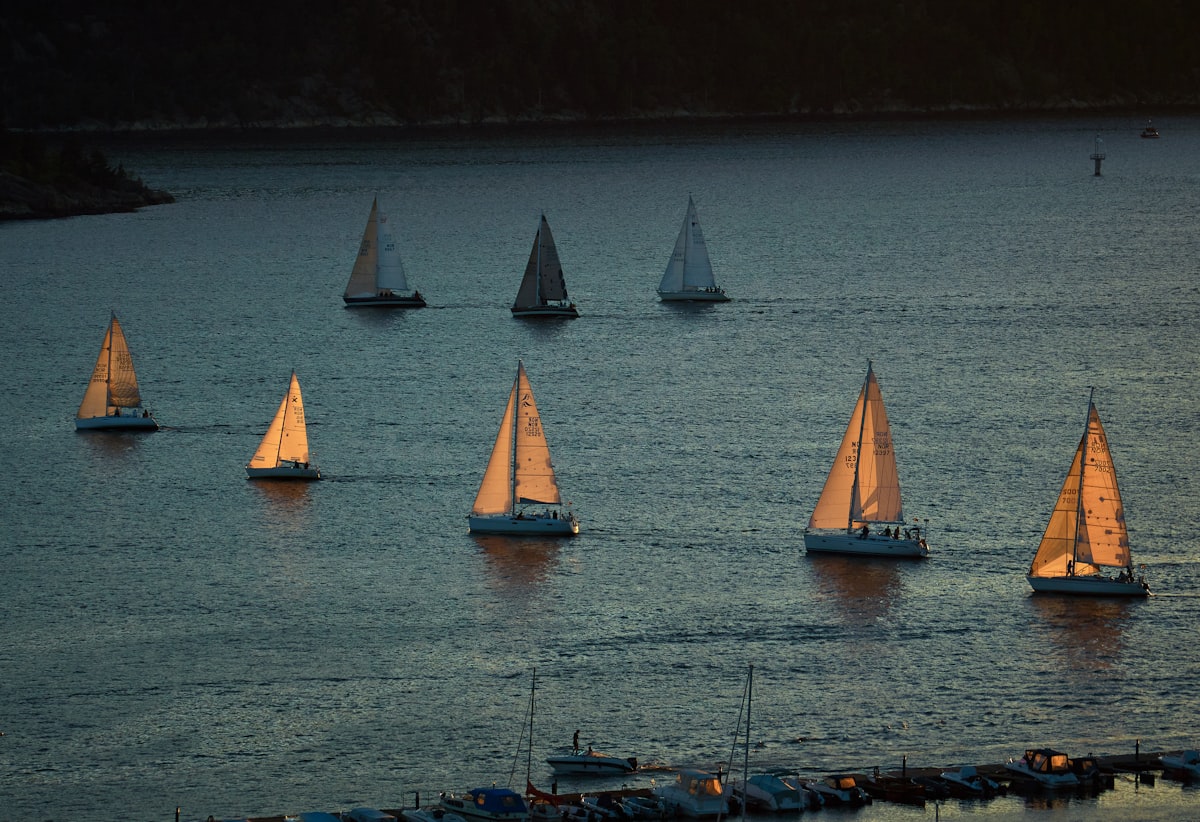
(862, 425)
(746, 761)
(529, 758)
(1083, 449)
(108, 400)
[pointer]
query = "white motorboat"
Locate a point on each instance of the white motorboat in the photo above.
(860, 511)
(768, 792)
(644, 807)
(695, 794)
(487, 805)
(1185, 764)
(367, 815)
(591, 763)
(841, 789)
(968, 781)
(432, 813)
(1049, 768)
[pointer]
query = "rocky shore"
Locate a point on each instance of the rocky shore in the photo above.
(25, 199)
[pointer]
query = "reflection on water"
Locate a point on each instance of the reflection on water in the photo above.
(518, 563)
(863, 589)
(285, 504)
(1087, 631)
(110, 444)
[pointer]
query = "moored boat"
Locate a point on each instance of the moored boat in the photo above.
(1185, 763)
(1047, 767)
(841, 789)
(487, 805)
(769, 792)
(968, 782)
(695, 794)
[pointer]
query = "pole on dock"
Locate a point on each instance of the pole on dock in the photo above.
(1098, 155)
(176, 813)
(1137, 750)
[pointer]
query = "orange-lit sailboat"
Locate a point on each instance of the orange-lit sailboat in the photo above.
(860, 510)
(112, 399)
(519, 493)
(1087, 532)
(283, 452)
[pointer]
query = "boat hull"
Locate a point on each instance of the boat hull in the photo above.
(816, 542)
(285, 472)
(122, 423)
(540, 524)
(717, 296)
(548, 311)
(1089, 586)
(1046, 780)
(385, 302)
(584, 765)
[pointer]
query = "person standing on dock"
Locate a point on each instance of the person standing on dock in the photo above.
(575, 742)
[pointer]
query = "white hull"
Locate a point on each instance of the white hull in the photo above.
(1048, 780)
(1089, 586)
(716, 296)
(585, 765)
(816, 542)
(131, 422)
(284, 472)
(539, 524)
(546, 311)
(1186, 763)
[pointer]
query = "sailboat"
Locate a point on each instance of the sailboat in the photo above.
(112, 399)
(862, 491)
(283, 452)
(543, 291)
(520, 474)
(378, 274)
(689, 274)
(1086, 532)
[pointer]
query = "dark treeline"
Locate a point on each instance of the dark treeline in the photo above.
(229, 62)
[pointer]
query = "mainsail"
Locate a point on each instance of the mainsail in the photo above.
(543, 281)
(389, 272)
(519, 471)
(689, 268)
(1087, 527)
(113, 384)
(286, 439)
(362, 276)
(863, 485)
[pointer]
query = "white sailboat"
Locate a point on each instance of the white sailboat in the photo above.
(377, 278)
(283, 452)
(1087, 532)
(112, 399)
(520, 475)
(689, 274)
(862, 492)
(543, 291)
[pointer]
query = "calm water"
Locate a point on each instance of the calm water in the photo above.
(177, 636)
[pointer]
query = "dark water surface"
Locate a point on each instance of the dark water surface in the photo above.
(175, 635)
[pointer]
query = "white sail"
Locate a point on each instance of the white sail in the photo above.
(863, 485)
(519, 471)
(689, 268)
(1087, 529)
(362, 276)
(543, 283)
(286, 440)
(389, 271)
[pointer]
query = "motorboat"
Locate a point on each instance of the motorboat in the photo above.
(768, 792)
(591, 763)
(367, 815)
(644, 807)
(1045, 766)
(968, 782)
(431, 814)
(1185, 764)
(487, 805)
(695, 794)
(841, 789)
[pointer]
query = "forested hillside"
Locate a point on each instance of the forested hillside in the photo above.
(68, 63)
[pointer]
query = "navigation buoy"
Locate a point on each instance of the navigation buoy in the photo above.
(1098, 155)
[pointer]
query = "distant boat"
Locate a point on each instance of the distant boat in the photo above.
(519, 475)
(377, 278)
(112, 399)
(283, 452)
(1087, 532)
(591, 763)
(1149, 132)
(862, 491)
(689, 274)
(543, 291)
